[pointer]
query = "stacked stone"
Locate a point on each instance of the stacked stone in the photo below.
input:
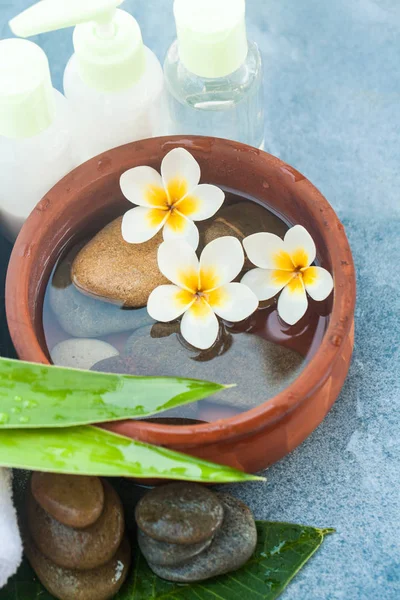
(74, 536)
(188, 533)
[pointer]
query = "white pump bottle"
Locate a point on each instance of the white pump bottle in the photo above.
(114, 83)
(35, 142)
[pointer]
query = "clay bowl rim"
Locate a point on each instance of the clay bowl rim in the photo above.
(311, 378)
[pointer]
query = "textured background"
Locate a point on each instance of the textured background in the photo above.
(332, 98)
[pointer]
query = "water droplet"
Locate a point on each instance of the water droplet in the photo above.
(104, 164)
(96, 402)
(16, 410)
(4, 418)
(24, 419)
(30, 404)
(59, 418)
(17, 399)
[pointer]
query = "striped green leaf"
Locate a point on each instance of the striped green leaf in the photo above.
(93, 451)
(37, 396)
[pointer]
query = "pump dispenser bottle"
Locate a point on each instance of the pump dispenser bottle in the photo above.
(35, 142)
(214, 74)
(114, 84)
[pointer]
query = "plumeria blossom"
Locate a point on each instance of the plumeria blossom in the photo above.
(285, 265)
(170, 201)
(201, 289)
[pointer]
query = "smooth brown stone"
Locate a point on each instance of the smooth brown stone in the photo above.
(220, 228)
(231, 548)
(245, 218)
(73, 500)
(180, 513)
(78, 548)
(115, 271)
(241, 220)
(69, 584)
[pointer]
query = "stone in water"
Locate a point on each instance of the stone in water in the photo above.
(85, 317)
(109, 268)
(261, 369)
(81, 353)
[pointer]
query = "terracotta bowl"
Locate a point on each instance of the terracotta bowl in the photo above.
(254, 439)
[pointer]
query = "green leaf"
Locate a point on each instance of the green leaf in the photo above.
(93, 451)
(282, 550)
(37, 396)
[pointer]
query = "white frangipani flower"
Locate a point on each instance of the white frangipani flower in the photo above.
(201, 289)
(285, 265)
(172, 200)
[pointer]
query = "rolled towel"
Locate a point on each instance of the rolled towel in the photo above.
(10, 538)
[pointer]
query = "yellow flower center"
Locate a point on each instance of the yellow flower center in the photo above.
(177, 188)
(295, 285)
(297, 279)
(171, 204)
(291, 269)
(203, 288)
(294, 262)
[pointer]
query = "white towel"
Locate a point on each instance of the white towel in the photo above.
(10, 539)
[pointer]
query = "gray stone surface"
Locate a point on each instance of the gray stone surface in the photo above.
(260, 368)
(81, 353)
(126, 365)
(82, 316)
(180, 513)
(231, 548)
(168, 555)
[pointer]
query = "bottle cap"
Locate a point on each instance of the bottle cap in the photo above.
(211, 36)
(108, 42)
(27, 105)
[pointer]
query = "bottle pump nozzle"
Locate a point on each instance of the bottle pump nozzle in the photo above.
(108, 42)
(49, 15)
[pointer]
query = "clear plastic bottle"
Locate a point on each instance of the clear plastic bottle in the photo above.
(35, 141)
(213, 75)
(114, 84)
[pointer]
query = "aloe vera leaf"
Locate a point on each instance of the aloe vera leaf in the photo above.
(37, 396)
(90, 450)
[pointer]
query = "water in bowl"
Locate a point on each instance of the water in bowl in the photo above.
(262, 354)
